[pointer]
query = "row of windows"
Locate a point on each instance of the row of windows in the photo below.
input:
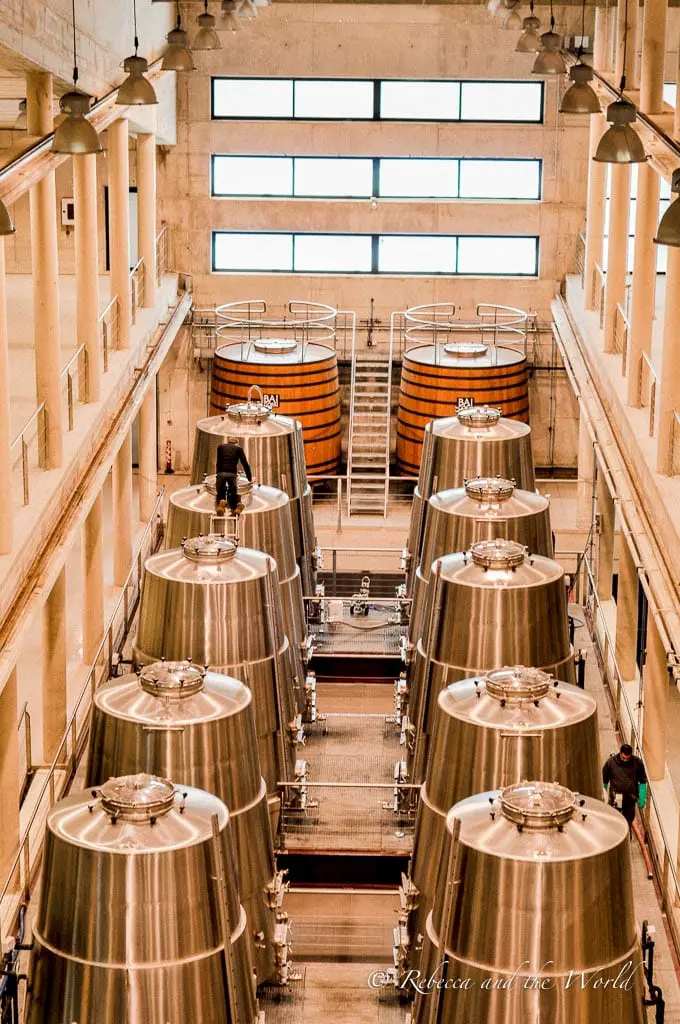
(312, 253)
(376, 100)
(381, 177)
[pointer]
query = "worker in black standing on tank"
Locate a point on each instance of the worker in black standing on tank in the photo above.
(624, 776)
(229, 455)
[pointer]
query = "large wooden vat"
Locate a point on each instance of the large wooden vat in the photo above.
(438, 381)
(297, 381)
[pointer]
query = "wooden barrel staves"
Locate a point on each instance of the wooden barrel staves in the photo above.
(440, 382)
(295, 382)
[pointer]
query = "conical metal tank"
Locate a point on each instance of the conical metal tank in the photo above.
(179, 721)
(484, 509)
(538, 923)
(478, 442)
(492, 606)
(274, 448)
(490, 732)
(139, 916)
(220, 605)
(265, 524)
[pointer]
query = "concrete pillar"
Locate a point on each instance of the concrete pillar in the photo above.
(626, 28)
(146, 213)
(6, 533)
(644, 278)
(54, 682)
(93, 580)
(595, 204)
(119, 226)
(87, 267)
(653, 56)
(655, 687)
(45, 267)
(605, 541)
(617, 252)
(668, 397)
(122, 512)
(626, 612)
(676, 113)
(148, 453)
(9, 777)
(584, 512)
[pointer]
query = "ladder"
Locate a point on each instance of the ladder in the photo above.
(368, 456)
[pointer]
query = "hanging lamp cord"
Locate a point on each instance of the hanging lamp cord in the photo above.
(134, 14)
(625, 49)
(75, 59)
(579, 52)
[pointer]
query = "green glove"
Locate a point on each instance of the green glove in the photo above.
(642, 794)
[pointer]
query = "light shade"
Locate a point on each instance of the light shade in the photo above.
(206, 37)
(550, 61)
(230, 10)
(136, 90)
(6, 225)
(178, 56)
(620, 144)
(513, 19)
(580, 98)
(668, 232)
(75, 134)
(529, 41)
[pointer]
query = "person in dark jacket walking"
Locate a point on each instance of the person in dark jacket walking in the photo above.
(624, 776)
(229, 455)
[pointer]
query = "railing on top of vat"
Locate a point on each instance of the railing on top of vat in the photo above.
(436, 324)
(300, 321)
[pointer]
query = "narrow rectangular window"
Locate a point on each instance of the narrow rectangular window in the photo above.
(252, 176)
(484, 255)
(500, 179)
(414, 178)
(333, 177)
(244, 251)
(252, 97)
(419, 101)
(327, 99)
(332, 254)
(502, 101)
(417, 254)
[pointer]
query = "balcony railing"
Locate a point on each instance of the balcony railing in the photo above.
(137, 287)
(621, 334)
(599, 278)
(162, 248)
(581, 257)
(650, 386)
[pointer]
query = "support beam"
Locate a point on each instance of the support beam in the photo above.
(644, 280)
(655, 690)
(669, 390)
(653, 56)
(54, 680)
(87, 269)
(93, 580)
(6, 531)
(605, 545)
(9, 777)
(146, 213)
(627, 613)
(617, 251)
(148, 453)
(45, 266)
(121, 478)
(595, 205)
(119, 226)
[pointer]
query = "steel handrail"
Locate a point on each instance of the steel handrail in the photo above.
(29, 423)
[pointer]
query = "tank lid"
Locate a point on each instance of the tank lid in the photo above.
(248, 412)
(479, 416)
(518, 685)
(173, 680)
(243, 485)
(498, 554)
(209, 549)
(538, 805)
(466, 348)
(137, 797)
(275, 346)
(489, 488)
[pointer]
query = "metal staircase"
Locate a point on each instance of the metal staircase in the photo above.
(368, 456)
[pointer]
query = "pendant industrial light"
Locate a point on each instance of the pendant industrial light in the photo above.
(21, 122)
(75, 134)
(549, 61)
(580, 98)
(529, 41)
(621, 144)
(136, 90)
(178, 56)
(668, 232)
(512, 20)
(6, 225)
(206, 38)
(230, 9)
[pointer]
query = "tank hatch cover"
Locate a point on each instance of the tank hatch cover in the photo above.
(518, 685)
(498, 554)
(248, 412)
(479, 416)
(243, 484)
(275, 346)
(172, 680)
(211, 549)
(538, 805)
(489, 489)
(466, 348)
(137, 797)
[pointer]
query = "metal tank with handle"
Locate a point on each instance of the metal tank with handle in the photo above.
(139, 916)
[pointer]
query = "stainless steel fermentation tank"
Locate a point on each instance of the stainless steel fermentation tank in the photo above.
(490, 732)
(535, 883)
(139, 916)
(479, 442)
(274, 448)
(265, 524)
(486, 508)
(178, 721)
(492, 606)
(220, 605)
